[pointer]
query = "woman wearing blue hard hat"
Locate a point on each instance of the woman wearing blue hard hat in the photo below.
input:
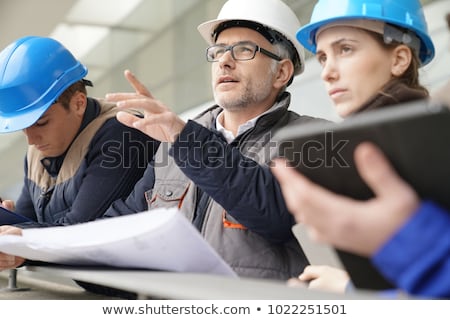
(79, 156)
(370, 52)
(369, 49)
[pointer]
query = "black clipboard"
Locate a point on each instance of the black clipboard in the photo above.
(414, 136)
(9, 218)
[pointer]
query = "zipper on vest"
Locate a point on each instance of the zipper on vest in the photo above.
(45, 197)
(203, 200)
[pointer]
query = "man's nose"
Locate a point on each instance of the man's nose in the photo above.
(226, 59)
(31, 135)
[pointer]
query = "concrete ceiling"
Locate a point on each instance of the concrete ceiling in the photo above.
(24, 17)
(30, 17)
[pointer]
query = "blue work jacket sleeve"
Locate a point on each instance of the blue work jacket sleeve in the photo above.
(24, 204)
(245, 189)
(417, 257)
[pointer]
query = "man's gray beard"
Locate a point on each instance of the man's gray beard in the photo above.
(233, 105)
(249, 97)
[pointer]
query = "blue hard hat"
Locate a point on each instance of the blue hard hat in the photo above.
(407, 14)
(34, 72)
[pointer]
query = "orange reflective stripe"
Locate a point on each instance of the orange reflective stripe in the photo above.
(232, 225)
(180, 203)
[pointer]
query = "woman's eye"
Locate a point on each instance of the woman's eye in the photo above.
(346, 49)
(322, 59)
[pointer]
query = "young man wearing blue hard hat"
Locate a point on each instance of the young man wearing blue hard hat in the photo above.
(80, 157)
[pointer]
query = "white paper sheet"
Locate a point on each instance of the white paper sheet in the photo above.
(161, 239)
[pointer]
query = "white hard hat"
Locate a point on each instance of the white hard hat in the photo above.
(273, 14)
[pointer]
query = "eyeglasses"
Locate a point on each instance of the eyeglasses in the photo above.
(240, 51)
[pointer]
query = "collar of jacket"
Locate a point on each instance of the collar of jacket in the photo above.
(394, 92)
(208, 117)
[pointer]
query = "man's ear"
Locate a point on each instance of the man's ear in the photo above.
(284, 74)
(401, 59)
(78, 103)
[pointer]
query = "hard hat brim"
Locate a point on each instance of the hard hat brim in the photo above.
(207, 28)
(16, 122)
(306, 35)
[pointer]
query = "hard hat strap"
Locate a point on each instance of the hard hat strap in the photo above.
(87, 82)
(267, 33)
(407, 37)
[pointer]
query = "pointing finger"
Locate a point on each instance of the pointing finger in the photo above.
(136, 84)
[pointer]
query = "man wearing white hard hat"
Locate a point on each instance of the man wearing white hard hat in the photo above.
(215, 167)
(218, 171)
